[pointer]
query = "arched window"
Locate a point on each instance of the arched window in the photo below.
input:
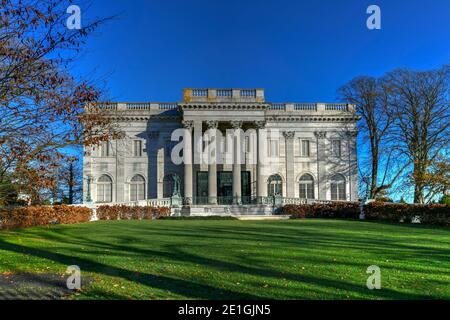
(338, 187)
(306, 187)
(275, 185)
(137, 188)
(104, 189)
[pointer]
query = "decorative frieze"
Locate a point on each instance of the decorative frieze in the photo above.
(260, 124)
(188, 124)
(289, 135)
(352, 134)
(320, 134)
(236, 124)
(212, 124)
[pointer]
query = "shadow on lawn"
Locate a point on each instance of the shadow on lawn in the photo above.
(182, 287)
(249, 266)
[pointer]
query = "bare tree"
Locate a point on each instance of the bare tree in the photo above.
(41, 103)
(421, 104)
(371, 97)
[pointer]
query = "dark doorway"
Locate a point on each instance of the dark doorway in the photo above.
(225, 187)
(202, 187)
(246, 187)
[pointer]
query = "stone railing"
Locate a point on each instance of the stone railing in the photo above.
(138, 106)
(311, 107)
(165, 202)
(223, 95)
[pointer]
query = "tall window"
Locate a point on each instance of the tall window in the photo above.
(104, 189)
(304, 148)
(137, 188)
(338, 187)
(247, 144)
(137, 148)
(104, 149)
(336, 148)
(306, 187)
(273, 150)
(275, 185)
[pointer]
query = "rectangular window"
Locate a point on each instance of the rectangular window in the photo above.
(137, 148)
(247, 144)
(338, 191)
(306, 191)
(304, 148)
(104, 149)
(104, 193)
(336, 148)
(273, 150)
(137, 192)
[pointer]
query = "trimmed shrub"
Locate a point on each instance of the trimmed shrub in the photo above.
(337, 209)
(24, 217)
(434, 214)
(123, 212)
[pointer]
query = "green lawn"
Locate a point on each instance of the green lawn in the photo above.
(293, 259)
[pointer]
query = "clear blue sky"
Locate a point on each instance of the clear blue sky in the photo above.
(297, 50)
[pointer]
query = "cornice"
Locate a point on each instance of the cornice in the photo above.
(290, 118)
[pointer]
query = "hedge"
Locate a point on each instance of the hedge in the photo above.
(124, 212)
(24, 217)
(434, 214)
(350, 210)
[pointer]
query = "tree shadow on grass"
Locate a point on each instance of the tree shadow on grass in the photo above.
(249, 267)
(182, 287)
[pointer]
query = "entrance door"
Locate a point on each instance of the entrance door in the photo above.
(225, 187)
(202, 188)
(246, 187)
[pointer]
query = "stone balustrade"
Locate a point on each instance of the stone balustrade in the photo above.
(297, 108)
(229, 97)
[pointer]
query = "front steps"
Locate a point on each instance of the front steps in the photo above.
(259, 218)
(224, 210)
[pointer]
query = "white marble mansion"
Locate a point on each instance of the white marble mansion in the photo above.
(277, 153)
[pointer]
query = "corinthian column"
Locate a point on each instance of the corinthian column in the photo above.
(290, 174)
(187, 157)
(212, 162)
(237, 191)
(321, 165)
(260, 179)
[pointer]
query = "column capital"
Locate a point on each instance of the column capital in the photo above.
(352, 133)
(236, 124)
(212, 124)
(289, 135)
(188, 124)
(260, 124)
(320, 134)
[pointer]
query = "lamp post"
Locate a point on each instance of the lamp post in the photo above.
(88, 196)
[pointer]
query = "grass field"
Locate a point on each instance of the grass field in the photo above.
(294, 259)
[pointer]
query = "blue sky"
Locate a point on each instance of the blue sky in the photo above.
(299, 51)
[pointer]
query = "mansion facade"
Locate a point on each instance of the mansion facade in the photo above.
(225, 151)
